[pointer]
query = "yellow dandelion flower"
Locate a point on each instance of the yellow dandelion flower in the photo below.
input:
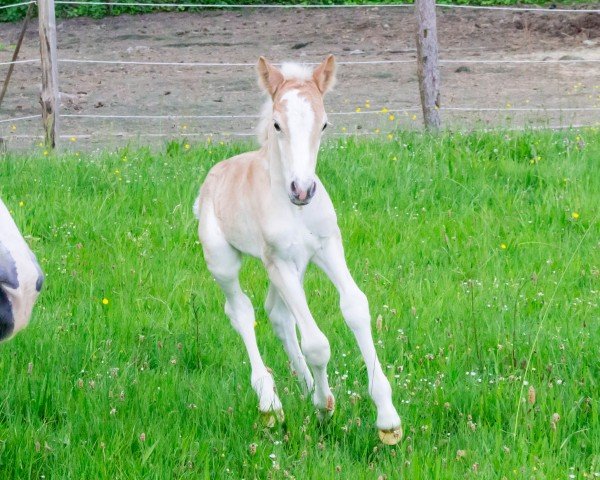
(392, 117)
(40, 144)
(187, 146)
(105, 301)
(117, 172)
(367, 104)
(508, 105)
(389, 136)
(73, 139)
(21, 203)
(343, 129)
(358, 109)
(575, 215)
(394, 158)
(413, 118)
(13, 128)
(377, 130)
(45, 152)
(384, 110)
(184, 127)
(503, 246)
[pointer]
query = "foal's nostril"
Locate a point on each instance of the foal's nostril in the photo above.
(294, 188)
(312, 190)
(6, 330)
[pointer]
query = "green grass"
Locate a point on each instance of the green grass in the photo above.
(464, 322)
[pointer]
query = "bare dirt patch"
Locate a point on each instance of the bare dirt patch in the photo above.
(307, 36)
(583, 25)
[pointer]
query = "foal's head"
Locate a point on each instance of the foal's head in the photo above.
(296, 120)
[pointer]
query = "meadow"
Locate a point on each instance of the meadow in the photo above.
(479, 253)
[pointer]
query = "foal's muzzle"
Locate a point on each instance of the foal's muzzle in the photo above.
(301, 197)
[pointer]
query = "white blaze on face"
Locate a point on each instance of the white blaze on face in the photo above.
(300, 153)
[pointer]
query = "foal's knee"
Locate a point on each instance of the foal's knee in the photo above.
(316, 350)
(355, 309)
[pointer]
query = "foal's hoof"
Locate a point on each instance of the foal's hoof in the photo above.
(390, 437)
(271, 418)
(326, 412)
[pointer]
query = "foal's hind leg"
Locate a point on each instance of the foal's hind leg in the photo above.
(285, 329)
(224, 263)
(315, 346)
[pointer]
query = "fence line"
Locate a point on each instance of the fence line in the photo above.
(19, 119)
(508, 61)
(219, 64)
(522, 109)
(453, 61)
(225, 116)
(285, 6)
(17, 4)
(35, 60)
(254, 116)
(362, 112)
(253, 134)
(519, 9)
(225, 5)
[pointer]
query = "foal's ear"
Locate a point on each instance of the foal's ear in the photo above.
(324, 74)
(269, 77)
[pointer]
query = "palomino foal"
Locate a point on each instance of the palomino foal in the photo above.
(20, 277)
(271, 204)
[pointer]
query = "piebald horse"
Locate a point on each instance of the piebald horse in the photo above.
(270, 204)
(21, 278)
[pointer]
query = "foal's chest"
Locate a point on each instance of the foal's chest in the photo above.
(297, 237)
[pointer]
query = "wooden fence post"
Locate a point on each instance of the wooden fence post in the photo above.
(49, 96)
(427, 62)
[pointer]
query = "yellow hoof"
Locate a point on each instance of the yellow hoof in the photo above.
(390, 437)
(270, 419)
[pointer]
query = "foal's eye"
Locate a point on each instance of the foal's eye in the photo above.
(324, 127)
(277, 127)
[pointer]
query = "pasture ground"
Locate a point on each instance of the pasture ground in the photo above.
(480, 255)
(240, 36)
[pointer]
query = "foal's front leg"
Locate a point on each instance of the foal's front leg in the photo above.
(224, 263)
(315, 346)
(355, 309)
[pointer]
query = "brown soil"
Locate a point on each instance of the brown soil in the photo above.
(584, 25)
(306, 36)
